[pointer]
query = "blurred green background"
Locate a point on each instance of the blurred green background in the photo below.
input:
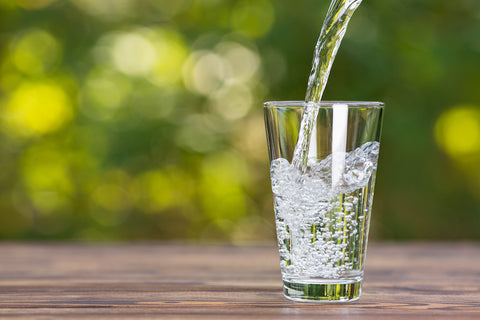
(126, 119)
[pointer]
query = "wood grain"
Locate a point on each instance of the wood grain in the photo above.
(174, 281)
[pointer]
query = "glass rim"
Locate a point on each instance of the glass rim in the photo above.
(324, 104)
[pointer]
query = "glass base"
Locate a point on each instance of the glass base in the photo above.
(327, 291)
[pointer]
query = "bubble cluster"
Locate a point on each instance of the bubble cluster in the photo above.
(321, 229)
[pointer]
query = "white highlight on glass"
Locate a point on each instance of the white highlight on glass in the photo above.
(339, 142)
(312, 148)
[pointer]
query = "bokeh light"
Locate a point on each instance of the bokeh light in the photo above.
(133, 54)
(233, 101)
(244, 62)
(153, 53)
(223, 176)
(205, 72)
(36, 52)
(227, 76)
(37, 109)
(171, 53)
(458, 131)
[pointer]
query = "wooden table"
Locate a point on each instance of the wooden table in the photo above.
(175, 281)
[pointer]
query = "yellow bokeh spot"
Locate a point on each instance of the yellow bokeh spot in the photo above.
(37, 109)
(457, 131)
(36, 52)
(253, 18)
(222, 187)
(171, 53)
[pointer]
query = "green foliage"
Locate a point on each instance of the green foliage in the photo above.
(126, 119)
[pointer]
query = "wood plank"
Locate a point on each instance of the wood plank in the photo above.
(172, 281)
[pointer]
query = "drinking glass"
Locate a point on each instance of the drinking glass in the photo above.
(323, 208)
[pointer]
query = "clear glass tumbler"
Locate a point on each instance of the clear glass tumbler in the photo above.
(322, 211)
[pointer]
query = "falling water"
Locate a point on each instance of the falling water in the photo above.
(333, 31)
